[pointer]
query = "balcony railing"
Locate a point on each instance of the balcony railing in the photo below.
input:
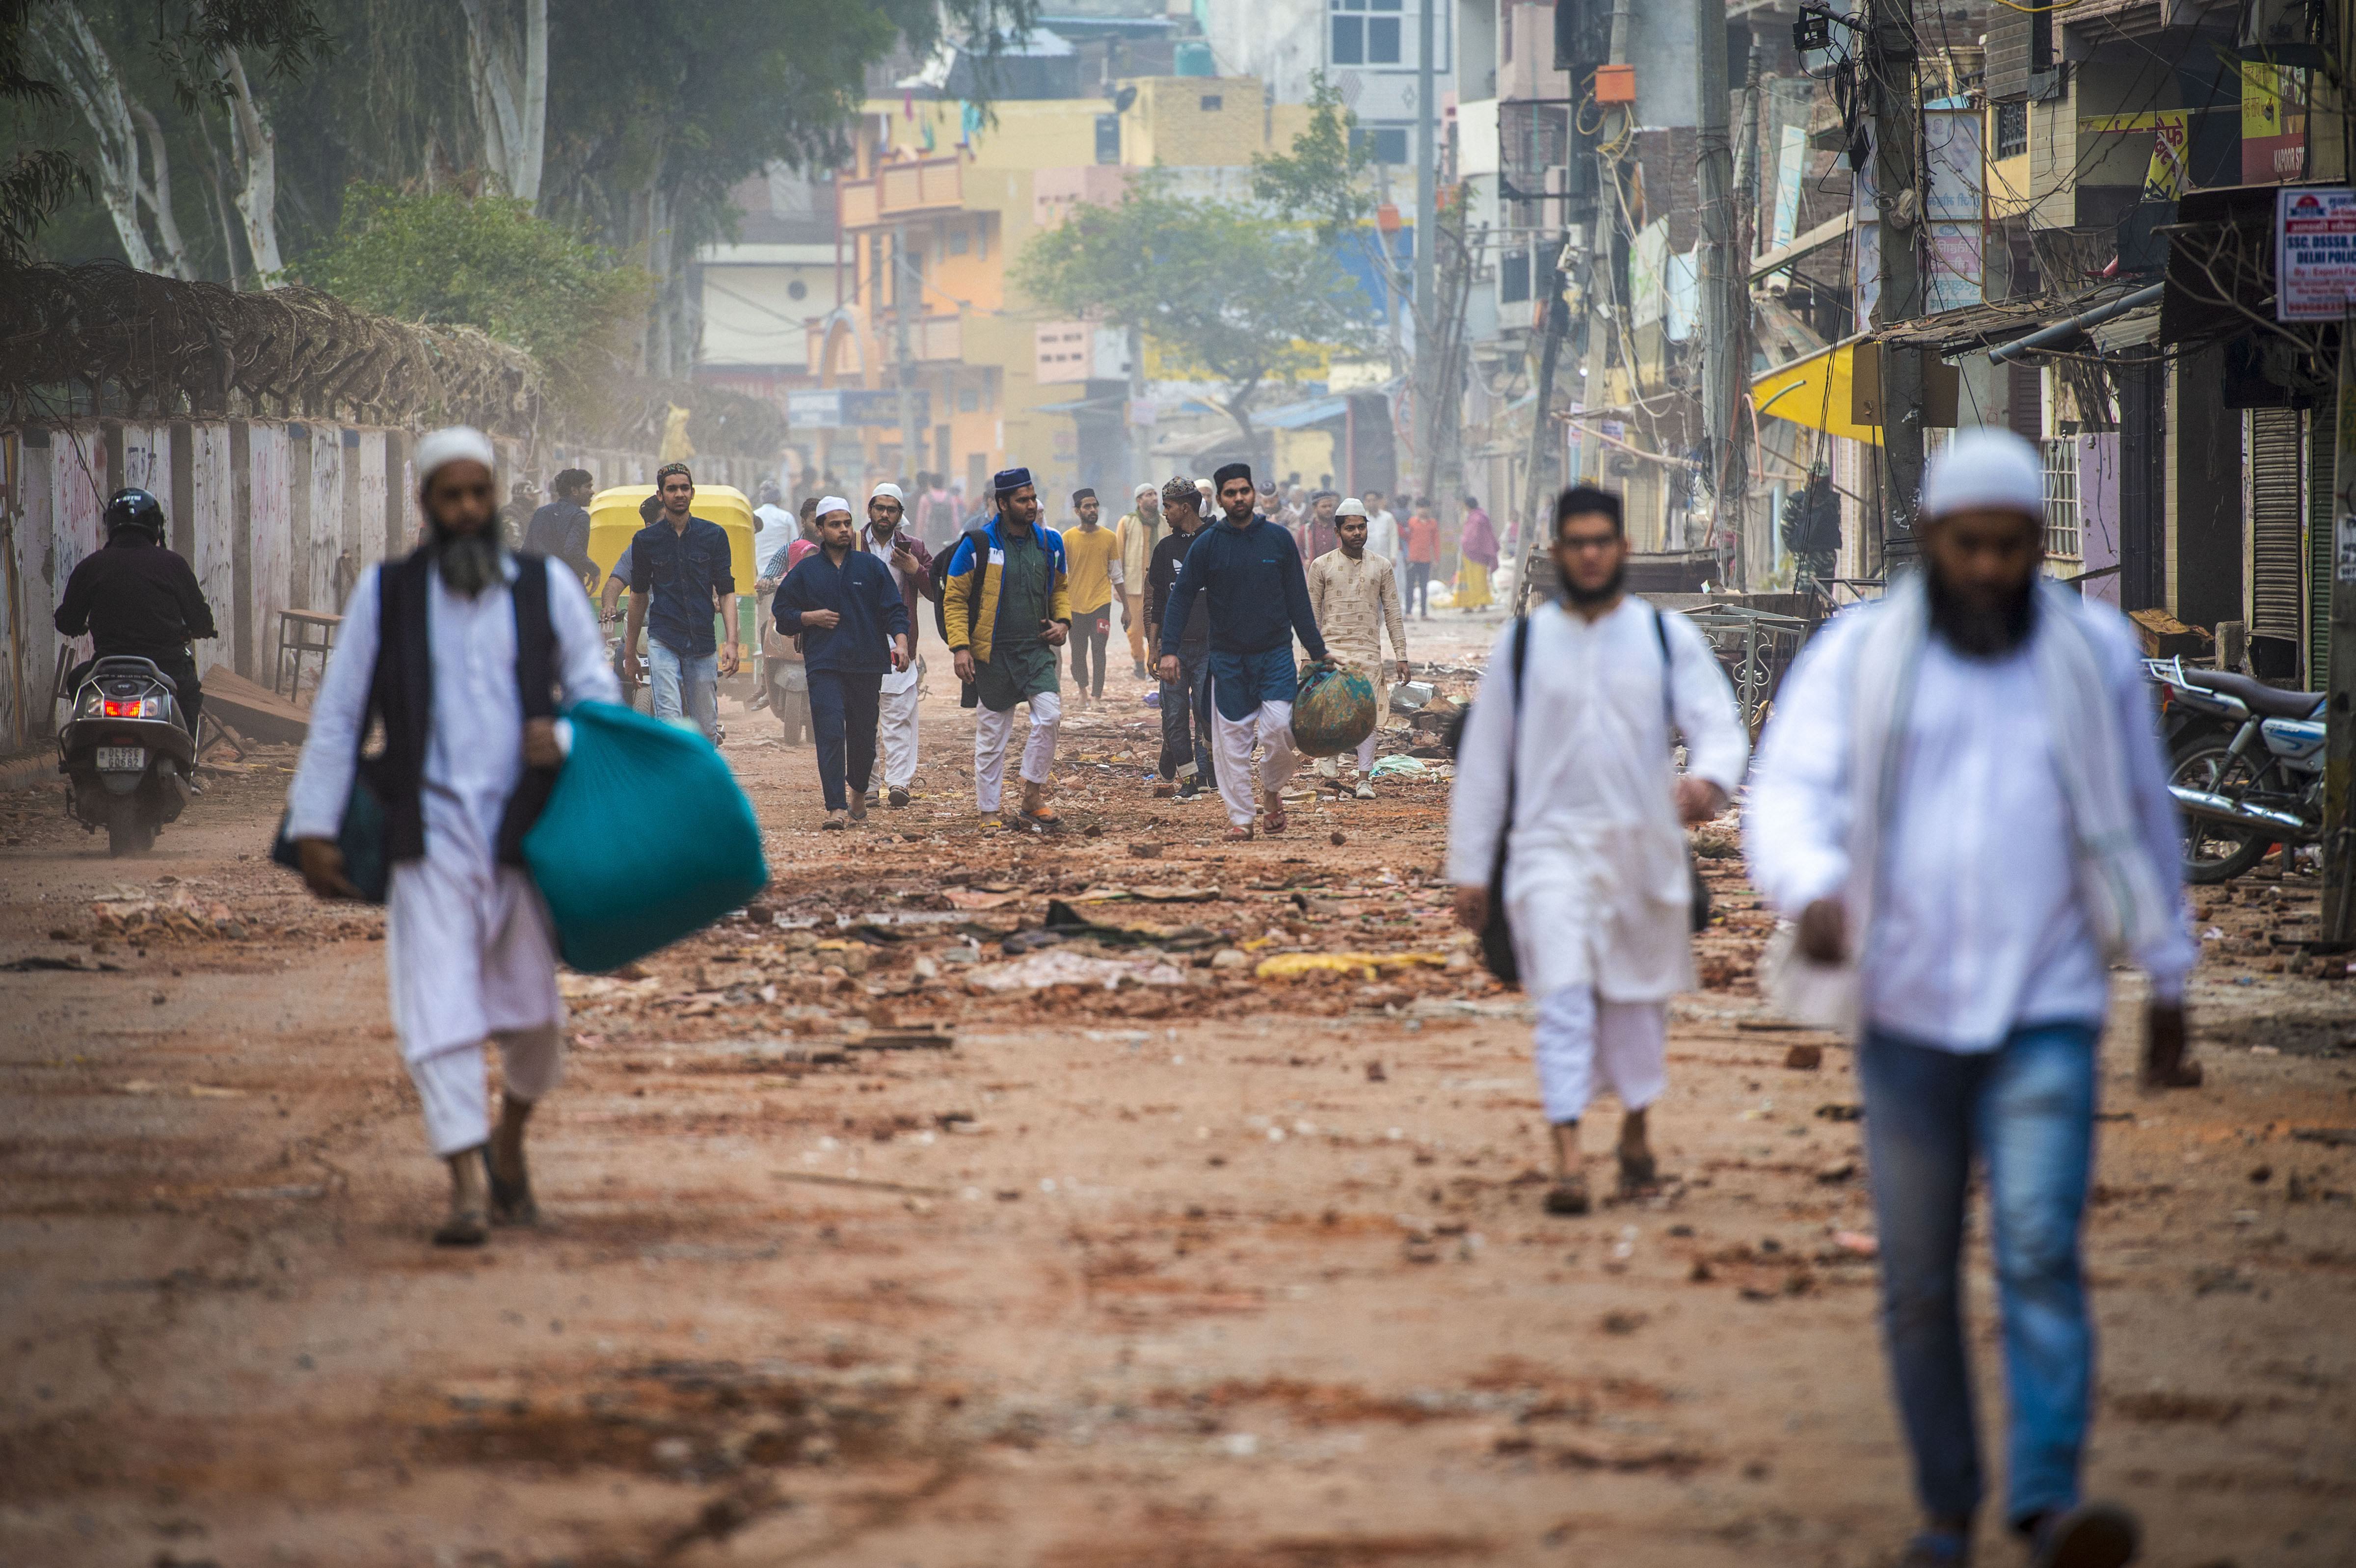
(901, 190)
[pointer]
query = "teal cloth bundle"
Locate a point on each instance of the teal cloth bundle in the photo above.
(646, 838)
(1333, 711)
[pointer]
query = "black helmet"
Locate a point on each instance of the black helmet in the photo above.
(136, 509)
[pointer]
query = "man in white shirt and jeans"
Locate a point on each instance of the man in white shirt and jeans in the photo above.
(1962, 801)
(1568, 761)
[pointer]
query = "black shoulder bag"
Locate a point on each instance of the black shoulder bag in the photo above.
(1497, 932)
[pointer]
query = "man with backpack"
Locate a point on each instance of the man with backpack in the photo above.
(1567, 821)
(1006, 608)
(460, 650)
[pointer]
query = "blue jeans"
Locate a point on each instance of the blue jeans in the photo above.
(682, 687)
(844, 706)
(2027, 1111)
(1186, 720)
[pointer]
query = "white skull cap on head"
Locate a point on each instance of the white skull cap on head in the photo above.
(1984, 470)
(887, 489)
(1353, 507)
(1143, 490)
(450, 444)
(832, 504)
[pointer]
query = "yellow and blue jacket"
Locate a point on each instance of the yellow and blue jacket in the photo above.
(969, 588)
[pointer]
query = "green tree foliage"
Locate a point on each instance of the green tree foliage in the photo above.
(1223, 291)
(445, 258)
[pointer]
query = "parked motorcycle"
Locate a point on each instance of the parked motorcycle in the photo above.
(129, 763)
(2245, 766)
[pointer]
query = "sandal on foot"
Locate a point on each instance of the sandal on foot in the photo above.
(1638, 1171)
(1273, 821)
(1239, 835)
(1567, 1196)
(511, 1201)
(466, 1229)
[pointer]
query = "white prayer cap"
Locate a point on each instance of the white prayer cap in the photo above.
(891, 490)
(1144, 490)
(831, 504)
(1984, 470)
(450, 444)
(1352, 507)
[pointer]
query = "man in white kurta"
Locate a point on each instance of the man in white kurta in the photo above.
(1963, 802)
(1597, 886)
(1354, 594)
(468, 951)
(886, 536)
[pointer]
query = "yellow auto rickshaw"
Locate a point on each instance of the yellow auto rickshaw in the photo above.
(614, 520)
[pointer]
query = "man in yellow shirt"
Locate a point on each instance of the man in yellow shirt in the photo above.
(1092, 557)
(1139, 532)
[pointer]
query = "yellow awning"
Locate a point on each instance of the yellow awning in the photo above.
(1814, 392)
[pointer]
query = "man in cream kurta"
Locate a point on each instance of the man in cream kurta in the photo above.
(1139, 532)
(1597, 888)
(468, 951)
(1355, 596)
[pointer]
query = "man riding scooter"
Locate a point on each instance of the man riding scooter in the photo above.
(137, 599)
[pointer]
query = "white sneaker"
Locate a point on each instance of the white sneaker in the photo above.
(1366, 790)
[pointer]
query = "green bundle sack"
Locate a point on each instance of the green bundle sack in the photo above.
(645, 838)
(1333, 710)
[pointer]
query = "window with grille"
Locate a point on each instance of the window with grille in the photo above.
(2061, 527)
(2011, 128)
(1367, 32)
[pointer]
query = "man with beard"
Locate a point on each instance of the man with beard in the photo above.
(682, 561)
(458, 649)
(560, 530)
(1006, 607)
(1316, 536)
(911, 565)
(1139, 532)
(1566, 761)
(1186, 701)
(1356, 598)
(1249, 570)
(1092, 557)
(1811, 530)
(852, 617)
(1962, 799)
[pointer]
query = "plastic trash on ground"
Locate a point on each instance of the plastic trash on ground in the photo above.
(1398, 767)
(645, 838)
(1409, 695)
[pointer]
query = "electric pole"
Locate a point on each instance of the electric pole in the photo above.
(2339, 922)
(1713, 176)
(1897, 157)
(1427, 248)
(1603, 261)
(906, 280)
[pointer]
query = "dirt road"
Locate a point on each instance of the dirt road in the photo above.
(1193, 1270)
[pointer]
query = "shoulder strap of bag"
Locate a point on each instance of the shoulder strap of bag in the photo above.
(535, 638)
(1520, 659)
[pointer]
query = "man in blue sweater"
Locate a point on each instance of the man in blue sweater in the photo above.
(1249, 572)
(853, 624)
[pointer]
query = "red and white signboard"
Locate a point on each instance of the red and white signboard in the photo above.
(2315, 254)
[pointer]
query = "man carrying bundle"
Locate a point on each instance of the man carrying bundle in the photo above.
(1249, 570)
(458, 649)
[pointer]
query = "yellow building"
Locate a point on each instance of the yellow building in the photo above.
(937, 206)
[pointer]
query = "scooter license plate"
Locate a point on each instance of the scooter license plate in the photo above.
(122, 759)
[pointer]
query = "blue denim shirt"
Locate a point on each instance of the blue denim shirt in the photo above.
(682, 570)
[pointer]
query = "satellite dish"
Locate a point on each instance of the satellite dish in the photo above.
(1122, 99)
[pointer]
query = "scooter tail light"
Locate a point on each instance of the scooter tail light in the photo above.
(123, 707)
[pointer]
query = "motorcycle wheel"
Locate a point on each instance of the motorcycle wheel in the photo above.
(128, 830)
(2216, 851)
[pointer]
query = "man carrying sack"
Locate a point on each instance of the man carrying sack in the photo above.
(1565, 759)
(1356, 597)
(458, 649)
(1962, 801)
(1006, 607)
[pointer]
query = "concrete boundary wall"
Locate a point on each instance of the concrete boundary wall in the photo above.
(271, 515)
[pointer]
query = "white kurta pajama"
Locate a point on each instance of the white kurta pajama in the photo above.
(895, 719)
(1355, 601)
(469, 956)
(1597, 888)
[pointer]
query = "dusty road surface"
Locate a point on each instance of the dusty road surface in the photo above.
(1161, 1263)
